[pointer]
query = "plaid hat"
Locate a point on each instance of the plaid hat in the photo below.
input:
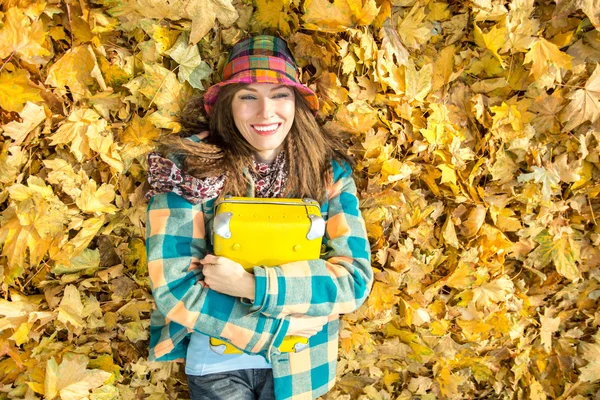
(260, 59)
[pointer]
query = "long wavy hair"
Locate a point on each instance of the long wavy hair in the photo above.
(309, 149)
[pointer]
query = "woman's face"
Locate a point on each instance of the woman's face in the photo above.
(264, 114)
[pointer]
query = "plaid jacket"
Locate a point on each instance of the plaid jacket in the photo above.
(338, 283)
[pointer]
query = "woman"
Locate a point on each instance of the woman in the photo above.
(264, 142)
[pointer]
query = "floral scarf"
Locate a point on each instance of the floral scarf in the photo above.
(165, 176)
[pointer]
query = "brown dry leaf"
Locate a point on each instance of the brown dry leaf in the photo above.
(584, 105)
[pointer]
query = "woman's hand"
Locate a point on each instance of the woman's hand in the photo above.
(305, 326)
(228, 277)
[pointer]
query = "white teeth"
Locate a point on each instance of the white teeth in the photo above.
(266, 128)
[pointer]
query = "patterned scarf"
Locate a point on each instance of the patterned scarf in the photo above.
(165, 176)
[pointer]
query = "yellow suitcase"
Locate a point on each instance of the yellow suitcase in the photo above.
(267, 232)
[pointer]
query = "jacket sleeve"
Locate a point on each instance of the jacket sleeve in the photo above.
(337, 283)
(175, 244)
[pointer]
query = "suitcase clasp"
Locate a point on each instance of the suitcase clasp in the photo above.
(221, 224)
(317, 227)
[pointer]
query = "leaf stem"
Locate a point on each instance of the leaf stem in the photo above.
(7, 60)
(592, 211)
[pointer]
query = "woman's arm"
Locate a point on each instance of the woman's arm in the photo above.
(175, 245)
(337, 283)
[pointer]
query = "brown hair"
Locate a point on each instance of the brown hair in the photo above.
(308, 147)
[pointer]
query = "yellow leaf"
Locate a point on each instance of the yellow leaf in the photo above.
(33, 221)
(413, 28)
(32, 115)
(449, 233)
(542, 54)
(507, 114)
(273, 14)
(503, 167)
(96, 200)
(331, 88)
(22, 36)
(76, 69)
(442, 70)
(81, 125)
(560, 249)
(448, 174)
(139, 138)
(549, 326)
(21, 334)
(67, 253)
(71, 380)
(585, 103)
(103, 144)
(494, 40)
(591, 353)
(448, 383)
(493, 292)
(16, 91)
(62, 174)
(389, 378)
(339, 15)
(393, 170)
(162, 88)
(382, 298)
(86, 261)
(439, 327)
(70, 311)
(462, 277)
(10, 164)
(418, 83)
(536, 391)
(358, 117)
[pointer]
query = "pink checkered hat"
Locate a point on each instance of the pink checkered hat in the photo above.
(260, 59)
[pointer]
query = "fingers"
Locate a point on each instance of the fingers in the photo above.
(210, 259)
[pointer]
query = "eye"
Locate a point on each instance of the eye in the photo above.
(247, 97)
(281, 95)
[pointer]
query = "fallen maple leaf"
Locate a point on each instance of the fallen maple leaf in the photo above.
(584, 105)
(339, 15)
(76, 70)
(22, 36)
(15, 90)
(71, 380)
(32, 115)
(542, 54)
(558, 249)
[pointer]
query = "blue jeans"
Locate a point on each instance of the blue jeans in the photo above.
(244, 384)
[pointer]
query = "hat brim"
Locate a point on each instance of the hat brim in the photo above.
(260, 76)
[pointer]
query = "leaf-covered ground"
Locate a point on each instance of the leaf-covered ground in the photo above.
(476, 130)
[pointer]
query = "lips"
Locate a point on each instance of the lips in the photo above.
(266, 129)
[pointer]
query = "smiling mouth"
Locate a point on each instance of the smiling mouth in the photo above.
(266, 129)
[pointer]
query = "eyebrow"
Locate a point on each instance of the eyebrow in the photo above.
(275, 88)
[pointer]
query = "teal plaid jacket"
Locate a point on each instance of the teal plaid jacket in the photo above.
(178, 235)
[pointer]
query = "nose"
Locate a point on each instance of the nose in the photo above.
(267, 108)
